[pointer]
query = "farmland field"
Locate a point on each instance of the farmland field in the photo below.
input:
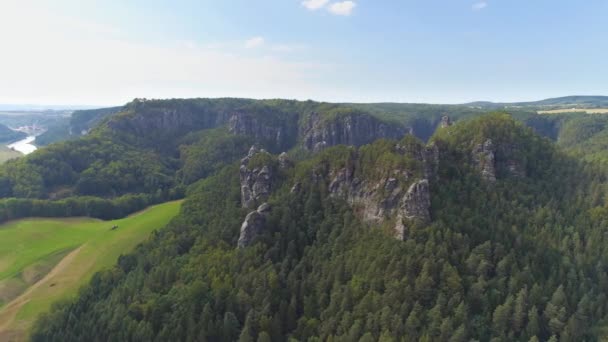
(575, 110)
(7, 154)
(45, 260)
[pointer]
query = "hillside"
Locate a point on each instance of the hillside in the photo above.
(159, 146)
(310, 220)
(8, 154)
(7, 135)
(78, 124)
(488, 231)
(558, 102)
(57, 256)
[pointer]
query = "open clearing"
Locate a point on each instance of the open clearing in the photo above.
(575, 110)
(46, 260)
(8, 154)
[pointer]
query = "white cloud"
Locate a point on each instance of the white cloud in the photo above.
(480, 5)
(314, 5)
(254, 42)
(342, 8)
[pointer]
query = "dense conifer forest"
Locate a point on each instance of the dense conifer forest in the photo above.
(515, 256)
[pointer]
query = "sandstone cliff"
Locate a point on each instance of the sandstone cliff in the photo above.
(354, 129)
(401, 196)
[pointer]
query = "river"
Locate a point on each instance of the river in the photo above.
(24, 146)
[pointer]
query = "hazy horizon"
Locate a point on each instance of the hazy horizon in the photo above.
(59, 107)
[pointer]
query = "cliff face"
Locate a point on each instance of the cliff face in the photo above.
(151, 121)
(352, 129)
(277, 133)
(276, 128)
(490, 158)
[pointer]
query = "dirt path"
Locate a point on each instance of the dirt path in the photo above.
(9, 312)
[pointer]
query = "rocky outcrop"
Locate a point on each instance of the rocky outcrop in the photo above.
(485, 160)
(401, 196)
(415, 206)
(284, 161)
(445, 122)
(386, 199)
(254, 225)
(256, 183)
(352, 129)
(490, 157)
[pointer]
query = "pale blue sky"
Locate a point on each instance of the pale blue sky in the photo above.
(442, 51)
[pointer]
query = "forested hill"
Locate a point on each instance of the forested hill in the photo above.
(486, 232)
(565, 101)
(160, 146)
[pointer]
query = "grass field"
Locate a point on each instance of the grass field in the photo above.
(7, 154)
(45, 260)
(575, 110)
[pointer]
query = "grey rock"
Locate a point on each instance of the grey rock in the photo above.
(252, 151)
(416, 203)
(253, 226)
(445, 121)
(352, 129)
(377, 201)
(256, 184)
(415, 206)
(246, 124)
(284, 161)
(264, 208)
(320, 146)
(296, 188)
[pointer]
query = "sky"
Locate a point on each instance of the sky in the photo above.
(85, 52)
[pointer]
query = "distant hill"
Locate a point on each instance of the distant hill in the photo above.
(38, 108)
(575, 101)
(7, 135)
(75, 126)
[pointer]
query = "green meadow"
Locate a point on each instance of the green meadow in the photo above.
(45, 260)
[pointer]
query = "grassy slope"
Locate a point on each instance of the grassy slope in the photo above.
(66, 253)
(6, 154)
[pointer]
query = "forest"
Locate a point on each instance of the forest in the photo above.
(521, 258)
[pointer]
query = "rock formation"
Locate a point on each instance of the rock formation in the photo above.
(156, 117)
(490, 157)
(253, 225)
(284, 161)
(445, 121)
(252, 125)
(403, 196)
(352, 129)
(256, 183)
